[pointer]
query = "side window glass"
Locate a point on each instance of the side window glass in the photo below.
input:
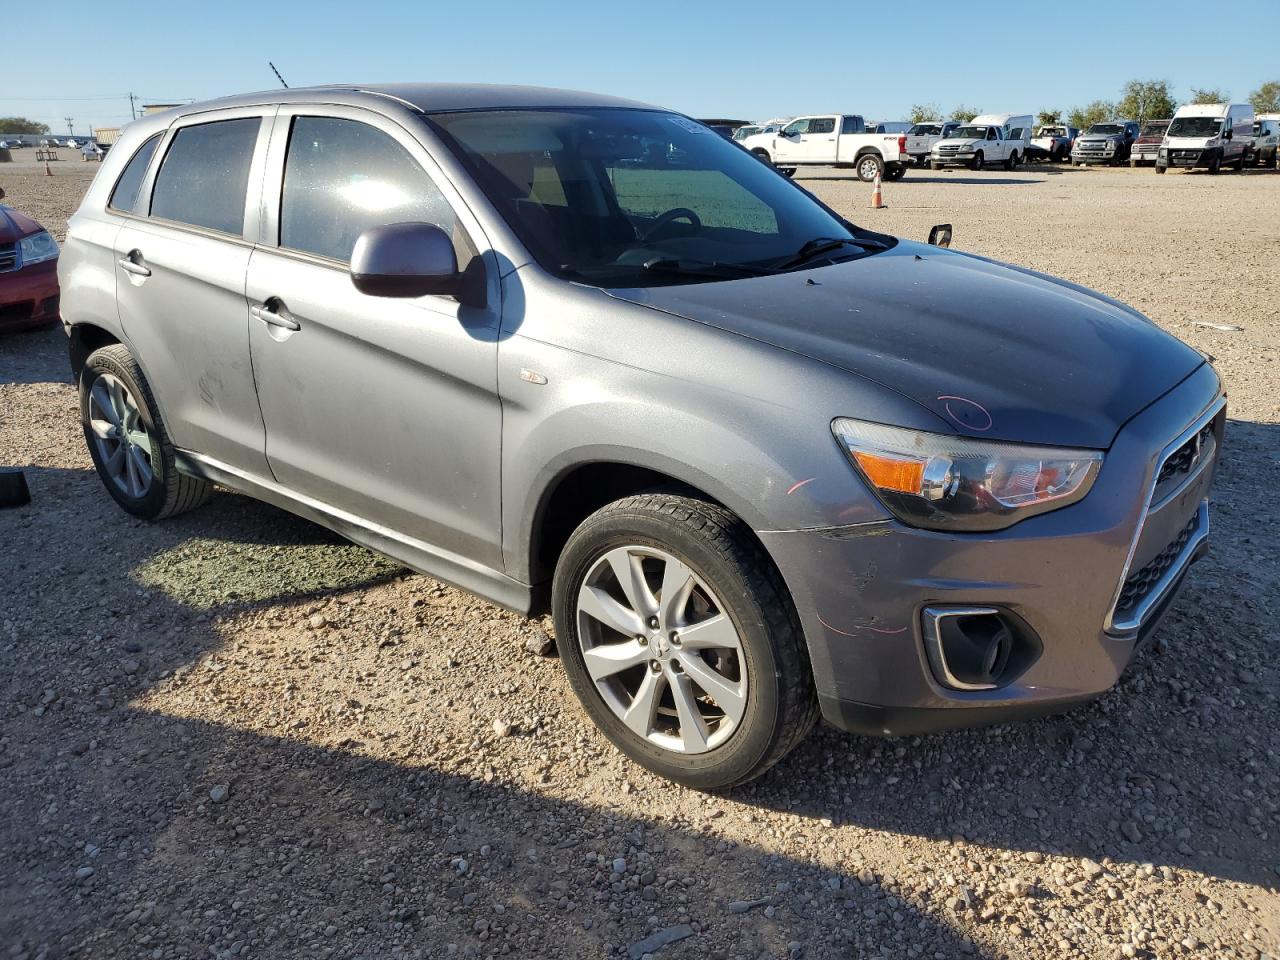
(991, 133)
(850, 125)
(796, 126)
(203, 176)
(342, 177)
(125, 195)
(822, 125)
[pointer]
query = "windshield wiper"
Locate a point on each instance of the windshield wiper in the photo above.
(819, 246)
(705, 268)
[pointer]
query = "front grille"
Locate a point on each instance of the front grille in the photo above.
(1139, 585)
(8, 256)
(1184, 458)
(949, 148)
(1185, 154)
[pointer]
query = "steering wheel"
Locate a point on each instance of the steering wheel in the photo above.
(678, 213)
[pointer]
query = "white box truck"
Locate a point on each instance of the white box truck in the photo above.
(1209, 135)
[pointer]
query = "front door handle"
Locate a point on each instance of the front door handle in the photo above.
(270, 313)
(130, 264)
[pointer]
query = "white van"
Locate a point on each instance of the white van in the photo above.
(1266, 140)
(1210, 135)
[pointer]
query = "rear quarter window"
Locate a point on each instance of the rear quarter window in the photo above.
(124, 197)
(205, 173)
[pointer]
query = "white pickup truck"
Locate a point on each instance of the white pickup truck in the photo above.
(922, 137)
(833, 139)
(991, 138)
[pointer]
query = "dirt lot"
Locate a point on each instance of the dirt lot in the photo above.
(233, 735)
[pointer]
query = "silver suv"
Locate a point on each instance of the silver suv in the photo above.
(567, 350)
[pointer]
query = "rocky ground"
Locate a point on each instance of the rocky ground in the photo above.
(233, 735)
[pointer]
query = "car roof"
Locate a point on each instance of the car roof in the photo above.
(429, 97)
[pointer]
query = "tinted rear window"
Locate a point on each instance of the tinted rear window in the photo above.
(203, 177)
(125, 195)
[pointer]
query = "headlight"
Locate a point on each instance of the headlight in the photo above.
(943, 482)
(37, 248)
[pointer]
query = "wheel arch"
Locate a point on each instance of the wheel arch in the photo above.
(83, 339)
(579, 488)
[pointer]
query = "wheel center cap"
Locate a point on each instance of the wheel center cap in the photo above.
(661, 644)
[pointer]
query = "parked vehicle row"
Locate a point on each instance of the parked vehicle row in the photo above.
(1053, 142)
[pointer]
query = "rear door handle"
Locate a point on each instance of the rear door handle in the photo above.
(130, 264)
(271, 316)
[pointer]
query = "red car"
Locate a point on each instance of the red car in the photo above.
(28, 272)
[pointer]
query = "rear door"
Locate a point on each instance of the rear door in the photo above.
(386, 409)
(181, 257)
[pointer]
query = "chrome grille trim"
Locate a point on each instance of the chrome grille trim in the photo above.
(1124, 629)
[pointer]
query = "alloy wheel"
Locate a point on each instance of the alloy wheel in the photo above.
(123, 443)
(661, 649)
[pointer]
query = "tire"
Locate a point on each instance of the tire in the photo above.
(977, 161)
(934, 165)
(762, 156)
(787, 172)
(1238, 166)
(1160, 169)
(1215, 164)
(143, 480)
(731, 570)
(869, 166)
(895, 173)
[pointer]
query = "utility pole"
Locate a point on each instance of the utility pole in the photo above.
(70, 125)
(133, 112)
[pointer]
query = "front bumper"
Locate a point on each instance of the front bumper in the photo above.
(860, 591)
(962, 159)
(1187, 157)
(1093, 156)
(29, 296)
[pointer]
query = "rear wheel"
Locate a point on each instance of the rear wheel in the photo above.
(127, 440)
(869, 166)
(787, 171)
(679, 639)
(895, 173)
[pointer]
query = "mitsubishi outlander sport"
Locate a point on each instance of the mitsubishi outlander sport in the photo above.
(575, 352)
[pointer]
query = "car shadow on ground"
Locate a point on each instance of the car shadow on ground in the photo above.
(1167, 769)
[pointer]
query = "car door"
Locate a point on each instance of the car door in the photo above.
(181, 255)
(994, 146)
(385, 409)
(788, 145)
(818, 143)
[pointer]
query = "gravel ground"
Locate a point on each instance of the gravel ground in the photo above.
(232, 734)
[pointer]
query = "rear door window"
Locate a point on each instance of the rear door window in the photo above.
(125, 195)
(822, 125)
(205, 173)
(342, 177)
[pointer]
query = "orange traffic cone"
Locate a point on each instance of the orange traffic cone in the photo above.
(47, 171)
(877, 198)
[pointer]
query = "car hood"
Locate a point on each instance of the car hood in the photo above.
(1099, 138)
(14, 225)
(993, 350)
(954, 141)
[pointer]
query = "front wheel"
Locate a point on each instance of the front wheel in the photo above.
(127, 440)
(680, 641)
(977, 162)
(1160, 169)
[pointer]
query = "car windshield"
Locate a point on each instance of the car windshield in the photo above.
(1053, 131)
(1106, 129)
(1154, 130)
(743, 132)
(628, 198)
(1195, 127)
(926, 129)
(970, 133)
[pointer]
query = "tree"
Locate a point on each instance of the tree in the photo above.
(1144, 100)
(22, 125)
(1096, 112)
(923, 112)
(965, 114)
(1209, 96)
(1048, 116)
(1266, 99)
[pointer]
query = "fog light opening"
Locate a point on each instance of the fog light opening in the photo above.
(973, 648)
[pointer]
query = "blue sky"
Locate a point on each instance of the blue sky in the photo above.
(744, 59)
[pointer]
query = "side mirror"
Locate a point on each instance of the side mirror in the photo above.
(1227, 135)
(940, 235)
(405, 260)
